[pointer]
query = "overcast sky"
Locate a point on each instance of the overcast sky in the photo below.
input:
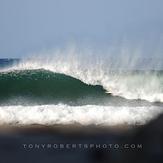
(31, 25)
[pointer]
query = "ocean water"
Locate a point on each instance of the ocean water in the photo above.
(69, 91)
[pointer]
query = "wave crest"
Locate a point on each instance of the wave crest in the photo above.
(129, 84)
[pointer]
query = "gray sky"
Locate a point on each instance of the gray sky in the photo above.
(31, 25)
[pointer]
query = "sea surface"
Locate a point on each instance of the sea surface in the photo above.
(55, 91)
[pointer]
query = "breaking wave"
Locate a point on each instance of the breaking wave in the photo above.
(96, 76)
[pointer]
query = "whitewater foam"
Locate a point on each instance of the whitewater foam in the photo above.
(84, 115)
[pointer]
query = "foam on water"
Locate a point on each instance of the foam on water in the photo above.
(84, 115)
